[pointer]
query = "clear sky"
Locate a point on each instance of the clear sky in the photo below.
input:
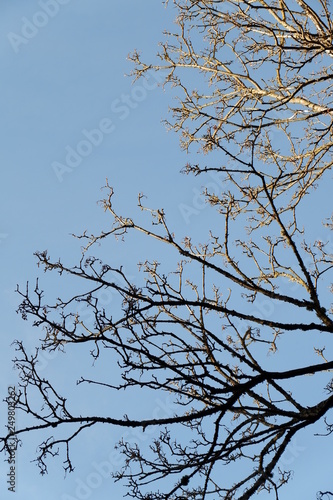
(63, 89)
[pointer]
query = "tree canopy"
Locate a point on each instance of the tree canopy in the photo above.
(253, 83)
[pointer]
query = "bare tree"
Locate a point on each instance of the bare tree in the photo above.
(253, 81)
(321, 495)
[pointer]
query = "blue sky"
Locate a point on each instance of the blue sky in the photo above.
(62, 83)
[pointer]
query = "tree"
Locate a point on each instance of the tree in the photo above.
(254, 82)
(324, 494)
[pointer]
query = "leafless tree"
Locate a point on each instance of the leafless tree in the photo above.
(253, 79)
(324, 495)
